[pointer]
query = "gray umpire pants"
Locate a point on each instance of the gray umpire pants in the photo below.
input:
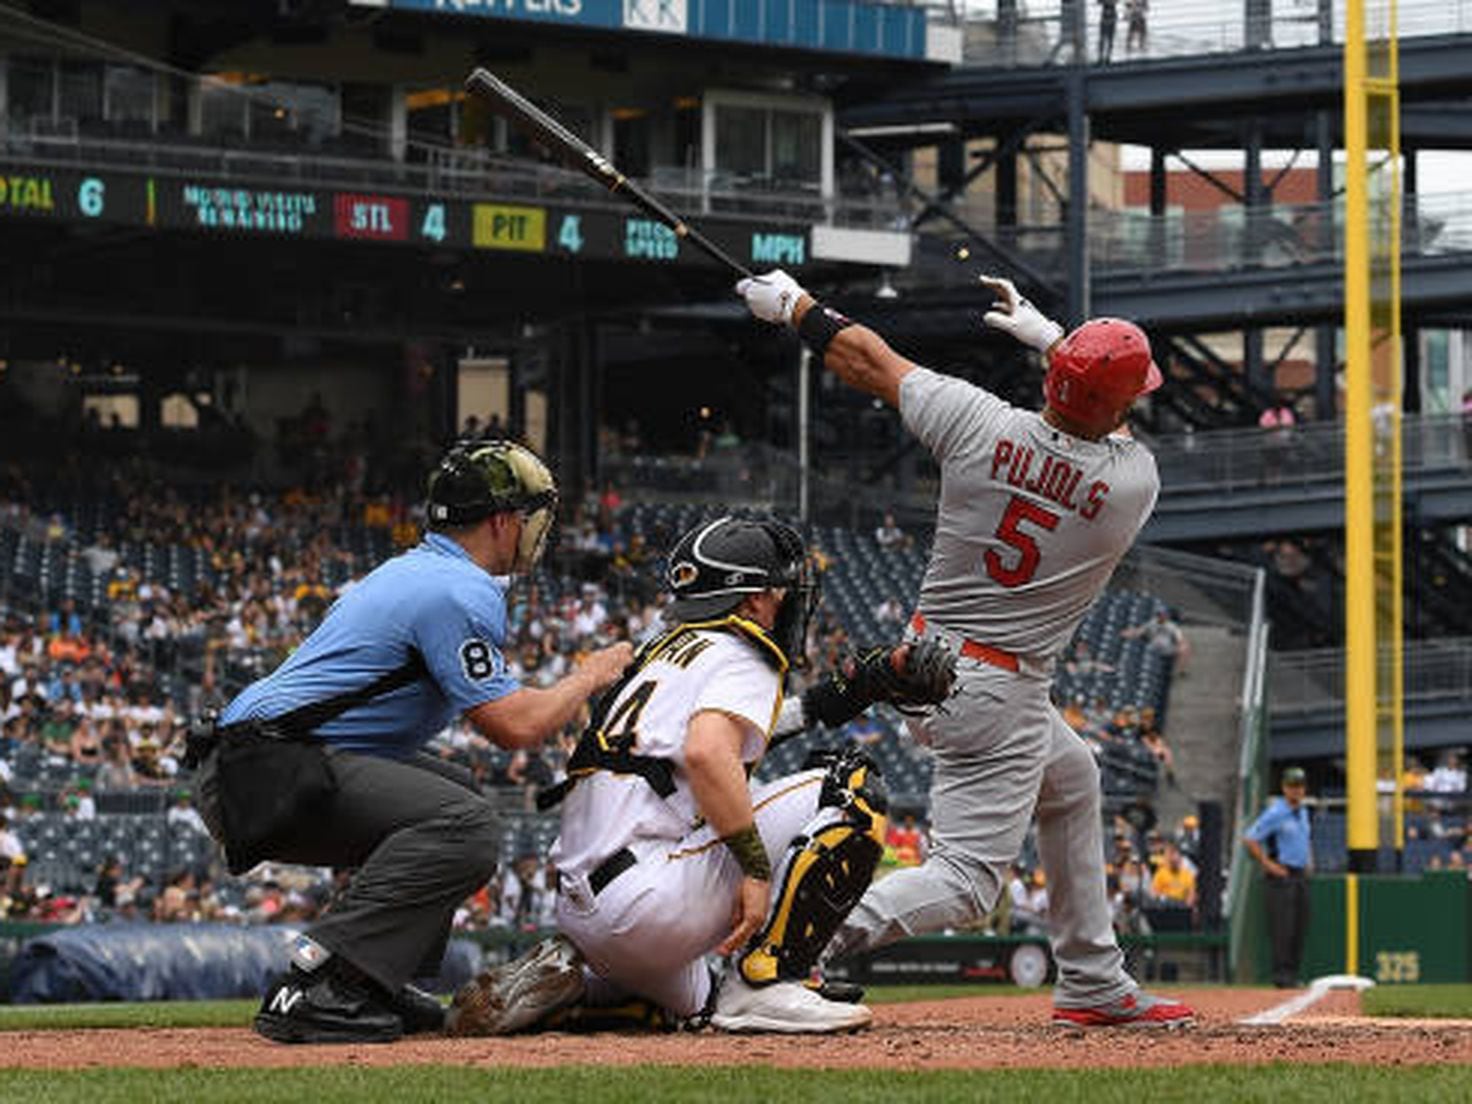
(1002, 753)
(422, 839)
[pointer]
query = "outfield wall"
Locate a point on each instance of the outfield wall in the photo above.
(1412, 929)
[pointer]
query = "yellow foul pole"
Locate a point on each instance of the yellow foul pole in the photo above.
(1359, 445)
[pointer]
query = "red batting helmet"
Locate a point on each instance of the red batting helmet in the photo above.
(1096, 371)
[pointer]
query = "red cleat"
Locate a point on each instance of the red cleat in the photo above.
(1139, 1009)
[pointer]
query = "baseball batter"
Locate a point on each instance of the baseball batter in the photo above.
(1036, 509)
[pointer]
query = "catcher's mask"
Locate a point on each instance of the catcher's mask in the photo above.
(479, 478)
(716, 565)
(1098, 370)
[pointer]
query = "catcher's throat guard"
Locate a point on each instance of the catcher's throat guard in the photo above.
(826, 871)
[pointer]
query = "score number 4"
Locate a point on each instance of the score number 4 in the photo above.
(1019, 511)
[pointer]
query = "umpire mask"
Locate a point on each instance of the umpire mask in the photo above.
(477, 479)
(718, 564)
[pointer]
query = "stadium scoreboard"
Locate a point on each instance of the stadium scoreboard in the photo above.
(252, 209)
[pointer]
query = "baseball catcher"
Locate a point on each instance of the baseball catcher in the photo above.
(668, 853)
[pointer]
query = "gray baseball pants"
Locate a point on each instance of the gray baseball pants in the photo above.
(422, 839)
(1002, 754)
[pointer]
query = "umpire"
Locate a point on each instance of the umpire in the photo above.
(1281, 841)
(321, 761)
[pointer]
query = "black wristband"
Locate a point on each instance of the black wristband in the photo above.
(751, 856)
(819, 326)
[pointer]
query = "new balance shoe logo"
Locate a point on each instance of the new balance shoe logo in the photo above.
(284, 1000)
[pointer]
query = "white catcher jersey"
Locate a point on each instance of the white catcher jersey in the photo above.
(698, 670)
(1031, 520)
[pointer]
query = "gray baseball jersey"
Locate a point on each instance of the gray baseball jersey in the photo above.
(1031, 522)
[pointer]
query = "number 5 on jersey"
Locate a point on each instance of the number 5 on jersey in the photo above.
(1019, 512)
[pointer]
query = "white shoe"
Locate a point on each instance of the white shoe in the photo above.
(785, 1006)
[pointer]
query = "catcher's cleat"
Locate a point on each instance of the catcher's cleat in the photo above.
(789, 1007)
(326, 1006)
(636, 1015)
(420, 1011)
(844, 992)
(1138, 1009)
(513, 997)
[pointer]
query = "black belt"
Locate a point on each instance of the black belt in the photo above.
(609, 869)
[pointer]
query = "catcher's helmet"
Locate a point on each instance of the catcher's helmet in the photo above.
(1096, 371)
(479, 478)
(718, 564)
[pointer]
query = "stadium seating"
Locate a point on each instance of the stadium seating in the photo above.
(860, 576)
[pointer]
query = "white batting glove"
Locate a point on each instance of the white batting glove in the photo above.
(1018, 317)
(771, 296)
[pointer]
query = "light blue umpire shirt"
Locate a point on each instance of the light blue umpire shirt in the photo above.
(433, 600)
(1289, 828)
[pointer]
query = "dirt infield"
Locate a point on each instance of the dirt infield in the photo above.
(967, 1033)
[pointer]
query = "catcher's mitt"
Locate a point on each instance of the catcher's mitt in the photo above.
(904, 675)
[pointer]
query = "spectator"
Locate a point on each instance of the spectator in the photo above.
(1173, 881)
(86, 745)
(522, 891)
(1277, 424)
(114, 889)
(889, 614)
(183, 814)
(10, 845)
(77, 803)
(890, 535)
(1164, 638)
(1188, 838)
(1136, 12)
(1037, 896)
(1449, 777)
(1108, 16)
(904, 843)
(1079, 660)
(1024, 919)
(1153, 741)
(116, 772)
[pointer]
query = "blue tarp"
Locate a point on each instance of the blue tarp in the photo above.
(143, 962)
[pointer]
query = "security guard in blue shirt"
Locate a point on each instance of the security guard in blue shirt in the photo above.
(1281, 840)
(320, 762)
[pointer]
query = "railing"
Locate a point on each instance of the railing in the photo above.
(1251, 766)
(466, 174)
(1313, 681)
(1040, 33)
(1269, 237)
(1312, 452)
(1226, 239)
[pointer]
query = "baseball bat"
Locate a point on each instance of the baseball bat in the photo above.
(573, 152)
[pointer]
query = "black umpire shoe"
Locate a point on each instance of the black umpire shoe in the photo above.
(326, 1006)
(419, 1011)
